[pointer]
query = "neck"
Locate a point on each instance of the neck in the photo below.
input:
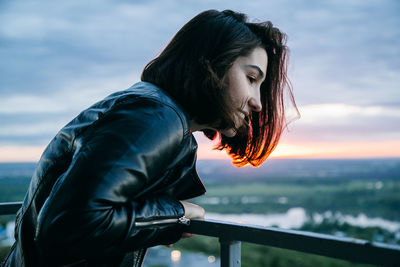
(194, 127)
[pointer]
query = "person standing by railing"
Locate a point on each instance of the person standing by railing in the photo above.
(112, 182)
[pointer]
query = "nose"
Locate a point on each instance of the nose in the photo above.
(255, 103)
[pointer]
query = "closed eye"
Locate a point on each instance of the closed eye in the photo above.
(251, 79)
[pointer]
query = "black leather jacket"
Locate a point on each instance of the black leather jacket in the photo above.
(109, 184)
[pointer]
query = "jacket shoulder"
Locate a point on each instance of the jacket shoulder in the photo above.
(142, 97)
(148, 92)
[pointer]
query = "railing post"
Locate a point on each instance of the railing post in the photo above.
(230, 253)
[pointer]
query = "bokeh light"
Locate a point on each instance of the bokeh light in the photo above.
(175, 255)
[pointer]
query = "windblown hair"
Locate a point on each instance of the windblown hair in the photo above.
(191, 70)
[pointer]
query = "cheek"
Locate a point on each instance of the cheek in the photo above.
(237, 91)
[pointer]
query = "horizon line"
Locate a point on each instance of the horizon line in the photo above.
(272, 158)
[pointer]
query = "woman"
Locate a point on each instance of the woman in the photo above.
(112, 181)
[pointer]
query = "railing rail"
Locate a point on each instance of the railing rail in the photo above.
(9, 208)
(351, 249)
(232, 234)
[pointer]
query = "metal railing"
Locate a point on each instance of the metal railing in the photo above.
(232, 234)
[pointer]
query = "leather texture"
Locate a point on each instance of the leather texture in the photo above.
(127, 159)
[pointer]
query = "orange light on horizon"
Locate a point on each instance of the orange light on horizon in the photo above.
(371, 149)
(377, 149)
(20, 153)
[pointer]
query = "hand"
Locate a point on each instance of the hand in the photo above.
(193, 211)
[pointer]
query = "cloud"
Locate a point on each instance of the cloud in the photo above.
(339, 122)
(31, 129)
(29, 103)
(71, 97)
(340, 112)
(59, 58)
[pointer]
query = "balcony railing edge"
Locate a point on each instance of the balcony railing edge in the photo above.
(8, 208)
(351, 249)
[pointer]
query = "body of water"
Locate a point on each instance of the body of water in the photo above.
(297, 217)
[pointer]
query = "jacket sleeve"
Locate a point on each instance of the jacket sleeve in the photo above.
(102, 204)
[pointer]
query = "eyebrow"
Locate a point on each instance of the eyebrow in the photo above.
(260, 73)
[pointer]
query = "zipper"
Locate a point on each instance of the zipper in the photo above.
(184, 220)
(181, 220)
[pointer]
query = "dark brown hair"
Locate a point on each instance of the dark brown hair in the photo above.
(192, 67)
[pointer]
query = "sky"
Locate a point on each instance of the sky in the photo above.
(59, 57)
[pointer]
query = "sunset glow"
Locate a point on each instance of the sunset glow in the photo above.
(20, 153)
(283, 150)
(315, 150)
(338, 150)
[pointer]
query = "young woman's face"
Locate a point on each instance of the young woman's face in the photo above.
(244, 80)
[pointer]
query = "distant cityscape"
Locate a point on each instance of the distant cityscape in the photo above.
(347, 198)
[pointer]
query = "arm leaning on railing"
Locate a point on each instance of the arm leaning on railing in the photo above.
(231, 234)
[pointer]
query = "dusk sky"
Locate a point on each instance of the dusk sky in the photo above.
(59, 57)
